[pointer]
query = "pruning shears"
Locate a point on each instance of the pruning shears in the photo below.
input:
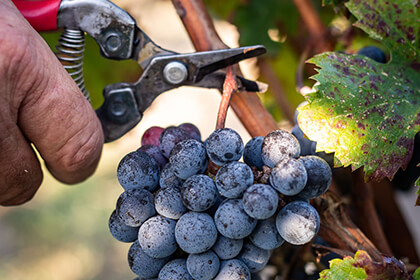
(119, 38)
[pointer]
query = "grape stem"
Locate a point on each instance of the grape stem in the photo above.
(229, 88)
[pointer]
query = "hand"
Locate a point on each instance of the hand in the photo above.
(39, 104)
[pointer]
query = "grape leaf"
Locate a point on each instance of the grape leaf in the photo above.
(416, 275)
(363, 267)
(343, 269)
(368, 112)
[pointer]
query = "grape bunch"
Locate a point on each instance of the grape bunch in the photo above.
(193, 210)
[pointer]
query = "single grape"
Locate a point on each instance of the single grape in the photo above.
(233, 269)
(169, 138)
(175, 270)
(252, 152)
(188, 158)
(232, 221)
(142, 264)
(298, 222)
(253, 257)
(374, 53)
(260, 201)
(151, 136)
(135, 206)
(121, 231)
(138, 170)
(168, 203)
(288, 176)
(227, 248)
(168, 178)
(233, 178)
(307, 147)
(265, 235)
(157, 237)
(204, 266)
(224, 145)
(199, 193)
(195, 232)
(192, 131)
(319, 177)
(277, 145)
(155, 153)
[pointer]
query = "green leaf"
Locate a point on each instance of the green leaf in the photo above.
(416, 274)
(368, 112)
(343, 269)
(363, 267)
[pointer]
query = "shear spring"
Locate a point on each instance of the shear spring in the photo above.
(70, 48)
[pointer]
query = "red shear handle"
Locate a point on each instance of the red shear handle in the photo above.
(41, 14)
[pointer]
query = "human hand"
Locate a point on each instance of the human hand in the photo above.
(39, 104)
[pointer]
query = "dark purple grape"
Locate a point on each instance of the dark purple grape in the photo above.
(319, 177)
(253, 257)
(260, 201)
(135, 206)
(252, 152)
(175, 270)
(265, 235)
(224, 146)
(277, 145)
(195, 232)
(168, 203)
(298, 222)
(204, 266)
(233, 269)
(188, 158)
(138, 170)
(199, 193)
(232, 221)
(121, 231)
(307, 147)
(227, 248)
(233, 178)
(142, 264)
(169, 138)
(157, 237)
(374, 53)
(168, 178)
(192, 131)
(289, 176)
(155, 153)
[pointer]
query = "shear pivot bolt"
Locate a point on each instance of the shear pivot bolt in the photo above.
(113, 42)
(175, 72)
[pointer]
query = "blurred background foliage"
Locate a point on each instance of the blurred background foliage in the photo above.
(62, 234)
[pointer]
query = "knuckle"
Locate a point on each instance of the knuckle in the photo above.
(80, 157)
